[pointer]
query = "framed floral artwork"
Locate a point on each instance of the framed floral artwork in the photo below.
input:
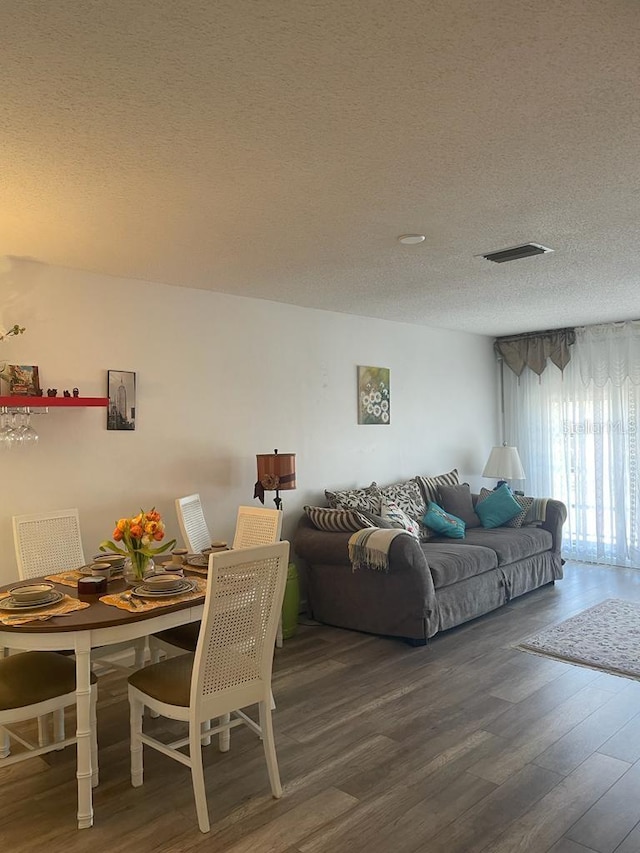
(121, 390)
(374, 401)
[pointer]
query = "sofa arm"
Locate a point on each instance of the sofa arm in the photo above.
(319, 546)
(399, 602)
(556, 516)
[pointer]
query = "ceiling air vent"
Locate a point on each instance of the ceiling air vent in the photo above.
(516, 252)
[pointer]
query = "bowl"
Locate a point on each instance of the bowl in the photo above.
(114, 561)
(165, 580)
(32, 592)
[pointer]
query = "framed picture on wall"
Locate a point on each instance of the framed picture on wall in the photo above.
(374, 396)
(121, 390)
(23, 380)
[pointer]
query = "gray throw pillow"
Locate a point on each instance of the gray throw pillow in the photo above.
(456, 500)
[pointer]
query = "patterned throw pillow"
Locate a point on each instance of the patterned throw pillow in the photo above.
(525, 505)
(392, 512)
(367, 499)
(337, 520)
(429, 485)
(408, 497)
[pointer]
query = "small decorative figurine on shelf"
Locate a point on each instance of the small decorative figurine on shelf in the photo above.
(66, 393)
(76, 393)
(39, 392)
(52, 392)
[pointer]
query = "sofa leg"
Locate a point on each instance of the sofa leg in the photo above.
(413, 641)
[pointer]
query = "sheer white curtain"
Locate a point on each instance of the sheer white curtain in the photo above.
(577, 433)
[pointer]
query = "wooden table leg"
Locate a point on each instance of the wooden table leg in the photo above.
(83, 732)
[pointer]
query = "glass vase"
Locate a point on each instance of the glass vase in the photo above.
(137, 568)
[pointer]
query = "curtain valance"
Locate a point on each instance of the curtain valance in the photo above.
(609, 352)
(532, 350)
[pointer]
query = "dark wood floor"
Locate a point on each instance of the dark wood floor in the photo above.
(463, 746)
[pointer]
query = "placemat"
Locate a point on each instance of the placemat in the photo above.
(60, 608)
(197, 570)
(72, 577)
(125, 601)
(66, 578)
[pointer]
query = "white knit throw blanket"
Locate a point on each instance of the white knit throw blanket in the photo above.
(369, 548)
(537, 511)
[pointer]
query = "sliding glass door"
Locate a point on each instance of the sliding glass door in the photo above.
(578, 441)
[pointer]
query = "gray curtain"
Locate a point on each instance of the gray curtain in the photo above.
(534, 349)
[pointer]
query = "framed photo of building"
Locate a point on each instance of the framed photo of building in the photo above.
(121, 390)
(374, 395)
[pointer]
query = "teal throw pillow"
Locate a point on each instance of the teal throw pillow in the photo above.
(498, 508)
(443, 522)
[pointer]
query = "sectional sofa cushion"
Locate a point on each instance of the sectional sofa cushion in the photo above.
(508, 543)
(367, 499)
(443, 522)
(457, 501)
(429, 486)
(497, 507)
(452, 562)
(337, 520)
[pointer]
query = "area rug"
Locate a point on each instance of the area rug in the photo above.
(605, 637)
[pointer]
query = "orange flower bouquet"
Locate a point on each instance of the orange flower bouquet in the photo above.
(137, 536)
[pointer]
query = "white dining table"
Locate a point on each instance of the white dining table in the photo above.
(97, 625)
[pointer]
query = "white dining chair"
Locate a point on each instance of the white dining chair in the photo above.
(254, 526)
(257, 526)
(49, 543)
(193, 526)
(197, 538)
(36, 684)
(231, 668)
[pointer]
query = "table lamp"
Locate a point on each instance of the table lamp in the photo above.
(276, 472)
(504, 463)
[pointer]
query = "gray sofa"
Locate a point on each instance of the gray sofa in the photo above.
(429, 586)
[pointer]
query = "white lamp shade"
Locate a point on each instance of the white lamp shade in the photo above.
(504, 464)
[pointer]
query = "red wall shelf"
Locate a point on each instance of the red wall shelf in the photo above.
(20, 402)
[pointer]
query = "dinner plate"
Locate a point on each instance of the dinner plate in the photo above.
(142, 592)
(11, 604)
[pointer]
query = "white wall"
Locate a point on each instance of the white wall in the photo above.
(221, 378)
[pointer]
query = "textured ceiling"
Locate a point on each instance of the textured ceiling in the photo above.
(277, 149)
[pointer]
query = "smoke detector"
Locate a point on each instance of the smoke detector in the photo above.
(526, 250)
(411, 239)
